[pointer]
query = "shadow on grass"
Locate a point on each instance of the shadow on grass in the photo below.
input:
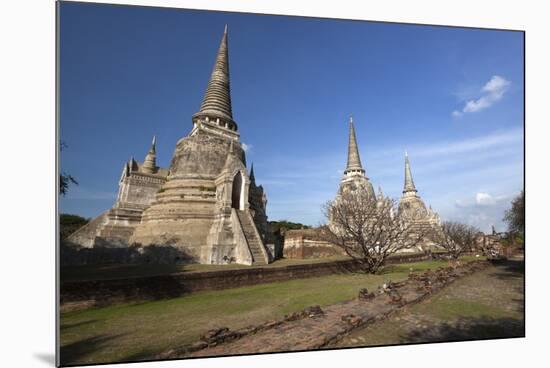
(468, 329)
(74, 353)
(509, 269)
(520, 305)
(141, 356)
(117, 271)
(140, 289)
(67, 326)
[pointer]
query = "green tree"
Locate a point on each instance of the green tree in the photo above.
(65, 179)
(515, 216)
(286, 225)
(68, 224)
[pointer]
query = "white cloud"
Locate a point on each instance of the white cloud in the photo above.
(484, 199)
(246, 147)
(482, 210)
(497, 85)
(448, 175)
(492, 91)
(469, 145)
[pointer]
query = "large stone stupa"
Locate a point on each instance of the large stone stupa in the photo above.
(413, 209)
(206, 205)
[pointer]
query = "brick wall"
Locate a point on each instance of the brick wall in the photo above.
(83, 294)
(306, 243)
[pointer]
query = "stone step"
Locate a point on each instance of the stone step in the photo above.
(254, 243)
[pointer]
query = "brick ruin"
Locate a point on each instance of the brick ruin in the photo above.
(307, 243)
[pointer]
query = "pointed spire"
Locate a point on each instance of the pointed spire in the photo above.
(150, 162)
(132, 163)
(409, 183)
(217, 99)
(252, 178)
(380, 193)
(354, 161)
(153, 148)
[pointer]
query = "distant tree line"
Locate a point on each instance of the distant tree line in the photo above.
(68, 224)
(276, 226)
(278, 229)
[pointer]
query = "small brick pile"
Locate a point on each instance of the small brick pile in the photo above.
(365, 295)
(309, 312)
(352, 319)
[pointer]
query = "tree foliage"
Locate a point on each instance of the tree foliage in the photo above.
(515, 216)
(65, 179)
(368, 230)
(286, 225)
(68, 224)
(278, 230)
(455, 237)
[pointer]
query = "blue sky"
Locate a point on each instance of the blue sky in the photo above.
(451, 97)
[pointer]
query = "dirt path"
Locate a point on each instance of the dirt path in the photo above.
(339, 319)
(487, 304)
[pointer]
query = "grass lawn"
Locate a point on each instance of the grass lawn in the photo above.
(140, 331)
(486, 304)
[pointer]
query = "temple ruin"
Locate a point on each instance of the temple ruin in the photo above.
(206, 203)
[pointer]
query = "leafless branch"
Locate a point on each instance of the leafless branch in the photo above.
(455, 237)
(369, 230)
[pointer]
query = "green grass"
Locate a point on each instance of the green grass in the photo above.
(460, 308)
(486, 304)
(139, 331)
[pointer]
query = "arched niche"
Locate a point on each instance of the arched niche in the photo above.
(237, 192)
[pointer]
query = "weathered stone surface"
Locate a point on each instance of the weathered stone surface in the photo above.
(352, 319)
(412, 207)
(307, 243)
(394, 297)
(212, 334)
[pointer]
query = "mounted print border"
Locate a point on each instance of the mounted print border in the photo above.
(235, 184)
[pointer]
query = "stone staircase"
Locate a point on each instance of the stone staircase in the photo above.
(85, 236)
(254, 242)
(114, 236)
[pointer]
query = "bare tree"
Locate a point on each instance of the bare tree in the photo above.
(367, 229)
(455, 237)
